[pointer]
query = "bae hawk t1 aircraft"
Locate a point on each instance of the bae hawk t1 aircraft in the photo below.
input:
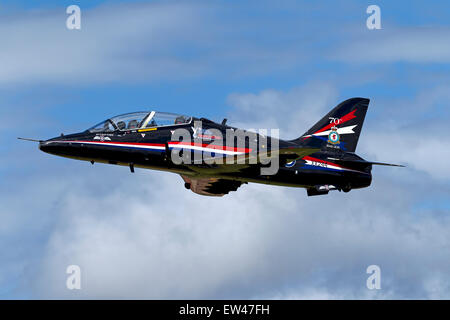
(320, 160)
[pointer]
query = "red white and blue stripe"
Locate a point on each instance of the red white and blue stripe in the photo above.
(315, 163)
(160, 147)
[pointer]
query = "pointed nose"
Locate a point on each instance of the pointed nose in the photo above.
(54, 146)
(42, 145)
(62, 145)
(48, 146)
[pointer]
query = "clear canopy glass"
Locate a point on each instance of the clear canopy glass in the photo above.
(159, 119)
(129, 121)
(138, 120)
(104, 126)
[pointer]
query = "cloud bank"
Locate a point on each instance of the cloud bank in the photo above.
(260, 242)
(162, 41)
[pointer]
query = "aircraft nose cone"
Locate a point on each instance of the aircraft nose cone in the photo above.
(44, 146)
(49, 146)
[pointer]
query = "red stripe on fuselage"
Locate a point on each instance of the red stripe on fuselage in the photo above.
(116, 142)
(212, 146)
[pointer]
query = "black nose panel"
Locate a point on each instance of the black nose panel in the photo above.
(42, 146)
(49, 146)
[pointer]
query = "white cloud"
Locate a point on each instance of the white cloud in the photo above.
(393, 44)
(134, 43)
(410, 131)
(262, 241)
(294, 112)
(117, 42)
(140, 42)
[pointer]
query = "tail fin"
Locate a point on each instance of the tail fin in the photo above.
(339, 129)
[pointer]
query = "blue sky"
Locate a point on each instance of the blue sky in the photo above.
(262, 64)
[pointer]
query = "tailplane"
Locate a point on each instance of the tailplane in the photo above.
(351, 162)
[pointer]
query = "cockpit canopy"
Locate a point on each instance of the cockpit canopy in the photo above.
(140, 120)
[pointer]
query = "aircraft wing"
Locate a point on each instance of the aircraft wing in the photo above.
(211, 186)
(294, 153)
(285, 155)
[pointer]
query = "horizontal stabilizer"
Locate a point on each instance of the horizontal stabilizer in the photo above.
(366, 162)
(386, 164)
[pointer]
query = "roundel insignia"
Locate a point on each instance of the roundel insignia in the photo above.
(333, 136)
(290, 164)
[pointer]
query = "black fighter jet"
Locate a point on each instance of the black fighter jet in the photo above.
(214, 158)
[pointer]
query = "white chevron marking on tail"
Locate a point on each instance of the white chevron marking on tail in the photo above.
(344, 130)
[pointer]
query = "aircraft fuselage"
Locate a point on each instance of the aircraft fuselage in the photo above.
(151, 148)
